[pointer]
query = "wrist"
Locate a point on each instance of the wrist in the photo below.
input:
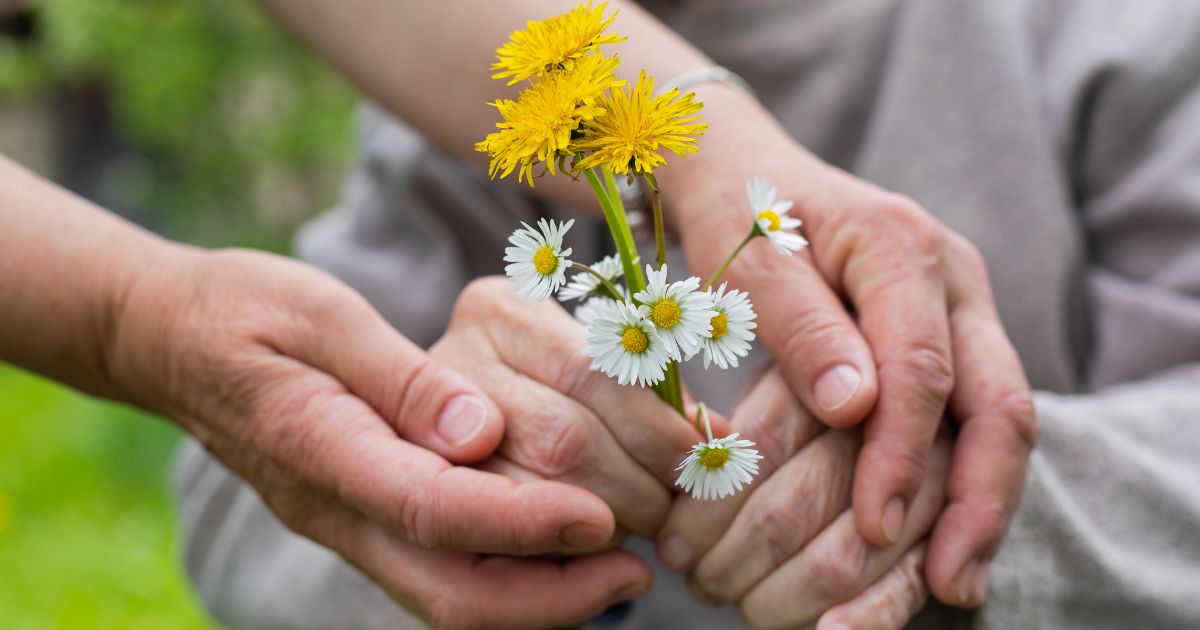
(137, 312)
(704, 194)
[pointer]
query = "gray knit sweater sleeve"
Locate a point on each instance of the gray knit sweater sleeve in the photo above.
(1108, 535)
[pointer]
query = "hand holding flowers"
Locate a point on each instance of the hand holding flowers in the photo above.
(888, 320)
(925, 333)
(575, 116)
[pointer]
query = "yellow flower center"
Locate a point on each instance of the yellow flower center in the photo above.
(544, 260)
(714, 458)
(772, 219)
(665, 314)
(634, 340)
(720, 325)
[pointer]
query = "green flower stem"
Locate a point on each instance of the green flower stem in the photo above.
(623, 239)
(725, 265)
(639, 282)
(660, 238)
(612, 289)
(671, 389)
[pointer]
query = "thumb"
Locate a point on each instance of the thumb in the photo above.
(426, 402)
(437, 407)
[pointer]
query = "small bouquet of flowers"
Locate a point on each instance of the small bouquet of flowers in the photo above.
(575, 116)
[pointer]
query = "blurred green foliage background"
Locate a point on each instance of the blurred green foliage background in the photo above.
(201, 120)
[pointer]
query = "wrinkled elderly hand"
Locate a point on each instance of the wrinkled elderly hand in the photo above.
(787, 551)
(931, 341)
(564, 421)
(352, 435)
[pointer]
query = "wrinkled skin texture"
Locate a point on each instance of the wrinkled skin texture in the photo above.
(295, 383)
(886, 292)
(787, 551)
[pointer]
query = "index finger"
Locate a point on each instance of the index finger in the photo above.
(802, 320)
(811, 336)
(903, 312)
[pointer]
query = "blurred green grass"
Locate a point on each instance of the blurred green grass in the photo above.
(87, 533)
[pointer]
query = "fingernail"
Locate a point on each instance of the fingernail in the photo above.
(967, 580)
(893, 519)
(630, 591)
(582, 535)
(675, 552)
(462, 419)
(837, 386)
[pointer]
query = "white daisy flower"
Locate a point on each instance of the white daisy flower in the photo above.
(718, 468)
(680, 311)
(771, 217)
(584, 284)
(623, 344)
(732, 328)
(591, 308)
(538, 263)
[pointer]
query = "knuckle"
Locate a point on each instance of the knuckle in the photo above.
(418, 381)
(572, 375)
(813, 329)
(905, 595)
(475, 295)
(898, 218)
(554, 444)
(967, 257)
(912, 573)
(989, 520)
(928, 238)
(1017, 405)
(840, 570)
(710, 584)
(906, 462)
(419, 516)
(928, 366)
(900, 212)
(782, 527)
(331, 304)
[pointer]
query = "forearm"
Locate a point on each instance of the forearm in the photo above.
(64, 266)
(430, 64)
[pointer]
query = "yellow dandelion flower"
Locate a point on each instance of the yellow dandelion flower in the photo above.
(635, 125)
(537, 127)
(555, 43)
